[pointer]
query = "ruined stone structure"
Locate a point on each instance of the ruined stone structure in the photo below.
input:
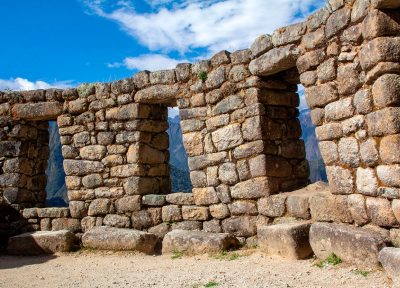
(240, 130)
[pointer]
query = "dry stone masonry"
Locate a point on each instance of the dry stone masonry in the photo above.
(240, 130)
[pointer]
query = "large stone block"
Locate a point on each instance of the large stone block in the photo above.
(275, 60)
(380, 212)
(41, 242)
(180, 198)
(52, 212)
(117, 239)
(354, 245)
(330, 208)
(341, 180)
(240, 226)
(227, 137)
(381, 49)
(197, 242)
(205, 196)
(128, 112)
(203, 161)
(386, 91)
(37, 111)
(337, 21)
(389, 174)
(319, 96)
(252, 189)
(82, 167)
(272, 206)
(195, 213)
(388, 154)
(288, 240)
(390, 260)
(385, 4)
(119, 221)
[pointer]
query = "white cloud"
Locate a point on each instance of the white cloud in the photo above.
(211, 24)
(25, 84)
(151, 62)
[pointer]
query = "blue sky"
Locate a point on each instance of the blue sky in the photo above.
(59, 43)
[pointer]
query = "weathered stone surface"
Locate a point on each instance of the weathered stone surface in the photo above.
(41, 242)
(380, 212)
(290, 240)
(82, 167)
(52, 212)
(190, 225)
(141, 186)
(219, 211)
(240, 226)
(261, 45)
(171, 213)
(358, 211)
(205, 196)
(327, 207)
(197, 242)
(382, 4)
(195, 213)
(341, 180)
(153, 200)
(367, 183)
(99, 207)
(203, 161)
(114, 220)
(92, 181)
(353, 245)
(337, 21)
(389, 175)
(251, 189)
(378, 23)
(227, 137)
(272, 206)
(158, 94)
(389, 257)
(319, 96)
(386, 91)
(37, 111)
(388, 154)
(180, 198)
(310, 60)
(243, 207)
(275, 60)
(117, 239)
(288, 34)
(381, 49)
(73, 225)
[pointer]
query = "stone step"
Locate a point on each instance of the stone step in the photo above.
(390, 260)
(198, 242)
(41, 242)
(288, 240)
(354, 245)
(119, 239)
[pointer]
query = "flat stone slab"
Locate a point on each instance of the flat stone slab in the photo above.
(354, 245)
(288, 240)
(119, 239)
(41, 242)
(198, 242)
(390, 260)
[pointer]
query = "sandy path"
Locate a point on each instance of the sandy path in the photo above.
(108, 269)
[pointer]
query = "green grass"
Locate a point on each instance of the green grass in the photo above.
(211, 284)
(332, 260)
(176, 255)
(202, 75)
(230, 256)
(361, 272)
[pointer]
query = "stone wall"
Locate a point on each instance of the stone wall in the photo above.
(240, 130)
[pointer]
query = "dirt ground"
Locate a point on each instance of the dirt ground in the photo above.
(239, 269)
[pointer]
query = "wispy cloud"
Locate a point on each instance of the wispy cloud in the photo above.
(25, 84)
(212, 25)
(151, 62)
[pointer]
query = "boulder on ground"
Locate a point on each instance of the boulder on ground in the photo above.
(198, 242)
(288, 240)
(119, 239)
(390, 260)
(41, 242)
(354, 245)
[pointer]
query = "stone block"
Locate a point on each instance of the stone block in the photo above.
(37, 111)
(203, 161)
(180, 198)
(195, 213)
(227, 173)
(353, 245)
(240, 226)
(381, 49)
(261, 45)
(190, 225)
(389, 175)
(385, 4)
(288, 240)
(219, 211)
(52, 212)
(73, 225)
(153, 200)
(272, 206)
(341, 180)
(275, 60)
(41, 242)
(171, 213)
(212, 226)
(329, 131)
(243, 207)
(357, 208)
(82, 167)
(326, 207)
(388, 154)
(99, 207)
(118, 239)
(227, 137)
(205, 196)
(252, 189)
(198, 242)
(389, 257)
(380, 212)
(119, 221)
